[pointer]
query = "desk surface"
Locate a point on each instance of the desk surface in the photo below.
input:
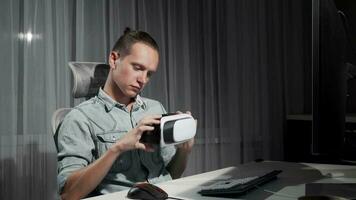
(289, 185)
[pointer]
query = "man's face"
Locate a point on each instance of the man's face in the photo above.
(132, 72)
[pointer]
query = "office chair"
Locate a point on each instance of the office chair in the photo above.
(88, 77)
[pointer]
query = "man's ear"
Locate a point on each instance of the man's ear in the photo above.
(113, 58)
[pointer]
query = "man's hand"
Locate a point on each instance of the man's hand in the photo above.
(81, 182)
(132, 139)
(187, 146)
(179, 162)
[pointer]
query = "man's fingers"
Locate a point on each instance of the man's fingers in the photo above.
(150, 121)
(187, 112)
(146, 147)
(149, 147)
(139, 145)
(139, 136)
(142, 129)
(152, 117)
(156, 116)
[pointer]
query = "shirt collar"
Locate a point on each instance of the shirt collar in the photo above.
(111, 103)
(139, 102)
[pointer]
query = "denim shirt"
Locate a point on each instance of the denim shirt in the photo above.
(89, 130)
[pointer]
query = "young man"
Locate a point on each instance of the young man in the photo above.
(99, 140)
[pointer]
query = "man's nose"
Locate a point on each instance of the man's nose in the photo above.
(143, 79)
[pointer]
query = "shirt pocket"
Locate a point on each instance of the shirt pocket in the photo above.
(105, 141)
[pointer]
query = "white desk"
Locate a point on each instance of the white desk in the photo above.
(289, 185)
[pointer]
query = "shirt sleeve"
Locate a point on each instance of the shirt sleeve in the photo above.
(167, 154)
(75, 146)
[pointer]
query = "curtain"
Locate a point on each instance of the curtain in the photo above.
(35, 45)
(238, 66)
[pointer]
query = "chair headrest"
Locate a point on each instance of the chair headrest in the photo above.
(88, 78)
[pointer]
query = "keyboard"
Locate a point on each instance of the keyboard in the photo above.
(240, 186)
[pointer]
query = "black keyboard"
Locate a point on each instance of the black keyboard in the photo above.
(240, 186)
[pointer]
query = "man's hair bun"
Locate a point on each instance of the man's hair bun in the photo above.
(130, 37)
(127, 30)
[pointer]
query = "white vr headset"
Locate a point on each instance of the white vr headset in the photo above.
(173, 129)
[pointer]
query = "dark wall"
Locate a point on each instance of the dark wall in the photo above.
(330, 95)
(348, 8)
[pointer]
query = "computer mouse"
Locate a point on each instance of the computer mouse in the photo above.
(146, 191)
(334, 174)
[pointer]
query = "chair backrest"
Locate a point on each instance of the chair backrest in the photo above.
(88, 78)
(58, 117)
(56, 121)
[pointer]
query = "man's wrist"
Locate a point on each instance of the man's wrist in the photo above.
(116, 148)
